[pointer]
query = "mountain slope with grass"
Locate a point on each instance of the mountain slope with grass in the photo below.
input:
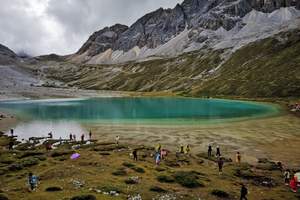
(265, 68)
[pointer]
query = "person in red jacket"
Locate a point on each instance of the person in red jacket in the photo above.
(293, 184)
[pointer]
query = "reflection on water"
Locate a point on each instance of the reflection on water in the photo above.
(42, 128)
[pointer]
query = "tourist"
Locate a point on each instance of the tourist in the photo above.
(158, 148)
(134, 153)
(181, 149)
(295, 182)
(71, 137)
(218, 153)
(238, 158)
(287, 176)
(11, 144)
(117, 140)
(157, 158)
(12, 132)
(244, 192)
(48, 146)
(32, 181)
(163, 153)
(209, 151)
(74, 137)
(82, 138)
(90, 134)
(50, 135)
(220, 165)
(187, 149)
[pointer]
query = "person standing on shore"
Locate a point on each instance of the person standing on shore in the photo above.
(90, 134)
(157, 158)
(220, 165)
(82, 138)
(12, 132)
(218, 153)
(50, 135)
(74, 137)
(244, 192)
(181, 149)
(209, 151)
(238, 158)
(134, 153)
(11, 144)
(187, 149)
(71, 137)
(287, 176)
(117, 140)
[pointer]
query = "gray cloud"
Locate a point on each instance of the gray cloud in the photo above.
(62, 26)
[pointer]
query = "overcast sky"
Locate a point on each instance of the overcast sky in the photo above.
(62, 26)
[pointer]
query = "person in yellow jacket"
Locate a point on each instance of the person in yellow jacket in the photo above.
(187, 149)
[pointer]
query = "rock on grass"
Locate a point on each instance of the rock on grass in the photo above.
(84, 197)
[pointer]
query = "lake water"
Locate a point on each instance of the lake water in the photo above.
(45, 115)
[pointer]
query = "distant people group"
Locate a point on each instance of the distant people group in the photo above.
(160, 154)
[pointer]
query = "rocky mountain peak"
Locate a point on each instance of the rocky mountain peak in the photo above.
(102, 40)
(161, 26)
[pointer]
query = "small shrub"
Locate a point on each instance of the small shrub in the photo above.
(84, 197)
(165, 179)
(61, 153)
(104, 153)
(53, 189)
(3, 197)
(138, 169)
(220, 194)
(119, 172)
(129, 165)
(30, 162)
(160, 169)
(130, 181)
(26, 154)
(157, 189)
(187, 179)
(15, 167)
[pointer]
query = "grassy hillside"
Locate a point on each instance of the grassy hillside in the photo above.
(267, 68)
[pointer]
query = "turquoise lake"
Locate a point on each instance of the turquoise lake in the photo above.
(118, 110)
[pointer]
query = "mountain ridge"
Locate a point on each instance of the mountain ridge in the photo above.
(159, 27)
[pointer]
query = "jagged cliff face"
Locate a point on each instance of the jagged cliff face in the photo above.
(7, 56)
(102, 40)
(120, 43)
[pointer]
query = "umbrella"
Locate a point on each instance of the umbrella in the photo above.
(75, 156)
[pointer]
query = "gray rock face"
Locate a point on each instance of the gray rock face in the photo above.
(160, 26)
(102, 40)
(7, 56)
